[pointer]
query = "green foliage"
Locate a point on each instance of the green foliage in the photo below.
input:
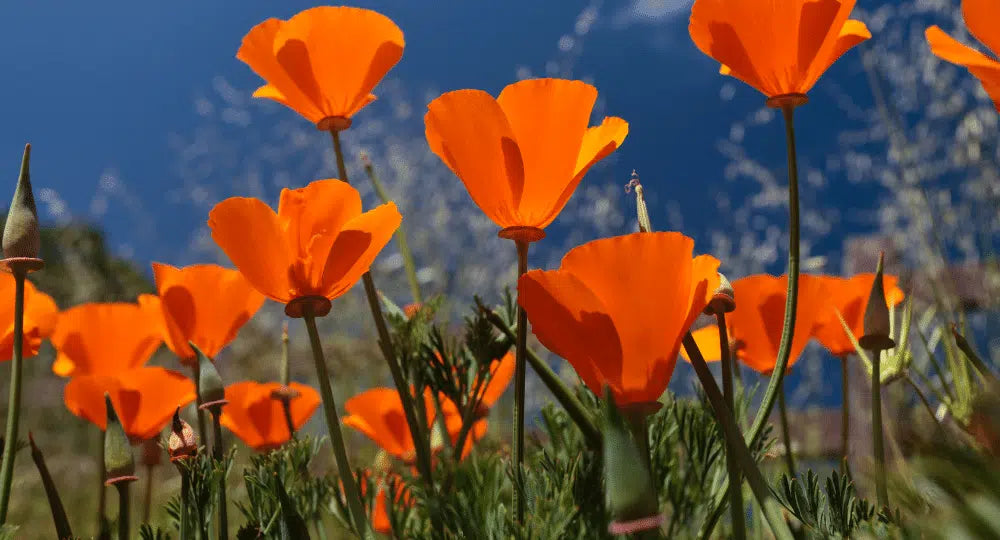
(204, 474)
(834, 512)
(148, 532)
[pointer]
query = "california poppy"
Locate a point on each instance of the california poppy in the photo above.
(378, 414)
(258, 419)
(145, 398)
(382, 481)
(40, 315)
(617, 309)
(318, 244)
(849, 297)
(981, 19)
(707, 340)
(105, 338)
(324, 62)
(500, 373)
(780, 48)
(522, 154)
(205, 304)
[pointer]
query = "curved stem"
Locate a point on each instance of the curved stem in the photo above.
(759, 487)
(14, 405)
(791, 303)
(732, 468)
(357, 509)
(878, 442)
(404, 246)
(185, 487)
(519, 378)
(124, 509)
(845, 416)
(786, 432)
(199, 413)
(218, 454)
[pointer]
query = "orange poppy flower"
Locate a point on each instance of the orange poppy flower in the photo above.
(522, 154)
(981, 18)
(779, 48)
(258, 419)
(324, 62)
(205, 304)
(501, 372)
(617, 309)
(378, 414)
(318, 244)
(755, 325)
(380, 514)
(453, 423)
(105, 338)
(707, 340)
(145, 398)
(40, 315)
(849, 297)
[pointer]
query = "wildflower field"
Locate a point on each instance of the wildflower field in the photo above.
(297, 391)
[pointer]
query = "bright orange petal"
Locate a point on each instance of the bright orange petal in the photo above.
(981, 18)
(501, 372)
(104, 339)
(981, 66)
(250, 233)
(40, 315)
(258, 420)
(736, 34)
(549, 119)
(707, 340)
(852, 33)
(468, 130)
(378, 414)
(356, 247)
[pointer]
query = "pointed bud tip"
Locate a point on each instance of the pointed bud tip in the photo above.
(182, 441)
(723, 299)
(21, 237)
(876, 319)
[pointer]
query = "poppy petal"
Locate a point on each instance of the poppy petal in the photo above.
(356, 247)
(468, 130)
(501, 374)
(250, 233)
(852, 33)
(707, 340)
(104, 338)
(980, 17)
(981, 66)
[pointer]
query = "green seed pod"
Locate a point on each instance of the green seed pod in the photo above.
(212, 390)
(119, 464)
(20, 233)
(629, 494)
(877, 336)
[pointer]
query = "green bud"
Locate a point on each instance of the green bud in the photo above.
(629, 494)
(20, 234)
(213, 391)
(119, 465)
(877, 332)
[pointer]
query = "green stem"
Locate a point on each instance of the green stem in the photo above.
(357, 509)
(878, 442)
(218, 452)
(147, 499)
(14, 406)
(845, 416)
(970, 353)
(421, 443)
(124, 509)
(63, 531)
(285, 370)
(759, 487)
(732, 467)
(786, 435)
(102, 495)
(574, 408)
(185, 487)
(519, 378)
(788, 328)
(404, 246)
(199, 413)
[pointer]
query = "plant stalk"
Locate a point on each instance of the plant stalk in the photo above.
(878, 442)
(124, 509)
(519, 380)
(218, 453)
(199, 413)
(102, 495)
(786, 434)
(14, 405)
(63, 531)
(845, 416)
(732, 467)
(357, 509)
(147, 499)
(185, 487)
(404, 246)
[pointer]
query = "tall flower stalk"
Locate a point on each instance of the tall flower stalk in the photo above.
(404, 245)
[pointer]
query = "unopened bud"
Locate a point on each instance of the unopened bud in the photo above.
(640, 203)
(629, 496)
(20, 234)
(119, 464)
(876, 322)
(210, 387)
(182, 442)
(724, 298)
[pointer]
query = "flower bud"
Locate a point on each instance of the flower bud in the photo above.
(629, 495)
(640, 203)
(876, 322)
(20, 234)
(210, 387)
(119, 464)
(724, 298)
(182, 442)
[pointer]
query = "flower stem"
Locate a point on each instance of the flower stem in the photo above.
(421, 443)
(760, 489)
(878, 443)
(124, 509)
(791, 304)
(786, 432)
(218, 454)
(845, 416)
(63, 530)
(14, 406)
(147, 499)
(102, 495)
(732, 467)
(354, 503)
(199, 413)
(404, 246)
(519, 377)
(185, 487)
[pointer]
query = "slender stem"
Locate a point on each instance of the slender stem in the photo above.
(404, 246)
(357, 509)
(759, 487)
(786, 432)
(560, 391)
(421, 443)
(788, 327)
(102, 495)
(285, 370)
(124, 509)
(147, 498)
(59, 519)
(185, 487)
(218, 452)
(14, 406)
(845, 415)
(732, 467)
(199, 413)
(286, 409)
(519, 378)
(878, 443)
(923, 399)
